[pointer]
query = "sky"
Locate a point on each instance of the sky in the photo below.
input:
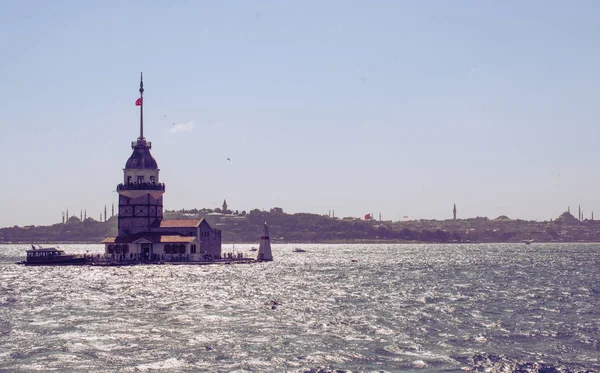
(398, 108)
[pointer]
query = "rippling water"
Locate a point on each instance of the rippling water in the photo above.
(359, 308)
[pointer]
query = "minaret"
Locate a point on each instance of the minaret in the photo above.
(104, 212)
(264, 250)
(67, 215)
(579, 213)
(113, 210)
(454, 211)
(81, 215)
(63, 217)
(140, 194)
(85, 215)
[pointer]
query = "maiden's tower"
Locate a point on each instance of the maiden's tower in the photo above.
(142, 231)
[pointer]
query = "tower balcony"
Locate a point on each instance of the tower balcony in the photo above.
(141, 186)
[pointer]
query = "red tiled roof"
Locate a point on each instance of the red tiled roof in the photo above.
(157, 238)
(182, 223)
(176, 239)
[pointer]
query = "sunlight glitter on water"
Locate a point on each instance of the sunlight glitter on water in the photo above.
(352, 307)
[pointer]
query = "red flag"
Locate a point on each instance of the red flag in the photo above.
(368, 216)
(138, 102)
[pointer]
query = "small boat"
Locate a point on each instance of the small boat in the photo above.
(299, 250)
(527, 242)
(253, 249)
(51, 256)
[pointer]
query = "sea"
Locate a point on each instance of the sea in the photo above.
(332, 308)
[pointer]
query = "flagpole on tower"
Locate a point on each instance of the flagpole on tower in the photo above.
(141, 106)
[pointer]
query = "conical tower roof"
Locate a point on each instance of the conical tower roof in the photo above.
(141, 157)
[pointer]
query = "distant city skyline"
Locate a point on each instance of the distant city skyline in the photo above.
(399, 108)
(372, 216)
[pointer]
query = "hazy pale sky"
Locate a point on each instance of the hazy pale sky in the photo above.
(394, 107)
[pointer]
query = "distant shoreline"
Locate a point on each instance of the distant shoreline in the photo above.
(373, 242)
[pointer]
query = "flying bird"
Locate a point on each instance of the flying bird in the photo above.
(228, 159)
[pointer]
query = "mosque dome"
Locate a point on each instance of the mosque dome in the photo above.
(141, 159)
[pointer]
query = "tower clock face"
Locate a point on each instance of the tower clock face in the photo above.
(141, 211)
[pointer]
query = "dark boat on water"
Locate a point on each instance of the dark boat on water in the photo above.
(51, 256)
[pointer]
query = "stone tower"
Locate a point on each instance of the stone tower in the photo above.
(140, 194)
(224, 206)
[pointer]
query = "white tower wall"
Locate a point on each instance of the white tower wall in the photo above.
(264, 250)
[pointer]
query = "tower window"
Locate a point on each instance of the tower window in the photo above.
(152, 180)
(140, 179)
(128, 179)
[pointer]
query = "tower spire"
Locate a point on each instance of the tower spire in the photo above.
(141, 106)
